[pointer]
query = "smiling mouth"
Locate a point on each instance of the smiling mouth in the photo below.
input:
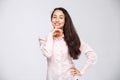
(57, 24)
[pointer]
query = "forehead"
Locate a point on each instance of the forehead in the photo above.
(58, 12)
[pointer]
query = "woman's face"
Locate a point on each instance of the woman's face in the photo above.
(58, 19)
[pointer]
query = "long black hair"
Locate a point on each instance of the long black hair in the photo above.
(70, 35)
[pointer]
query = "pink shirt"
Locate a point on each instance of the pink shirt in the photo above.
(59, 60)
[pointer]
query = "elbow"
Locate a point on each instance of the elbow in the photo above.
(46, 52)
(92, 59)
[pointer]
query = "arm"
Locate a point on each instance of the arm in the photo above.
(90, 54)
(46, 45)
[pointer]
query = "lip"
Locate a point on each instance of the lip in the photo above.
(57, 24)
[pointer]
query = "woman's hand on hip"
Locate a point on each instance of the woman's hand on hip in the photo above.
(75, 72)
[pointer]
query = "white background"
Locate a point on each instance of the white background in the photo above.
(23, 21)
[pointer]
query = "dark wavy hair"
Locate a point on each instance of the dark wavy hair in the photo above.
(70, 35)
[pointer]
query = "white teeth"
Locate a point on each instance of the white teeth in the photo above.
(57, 24)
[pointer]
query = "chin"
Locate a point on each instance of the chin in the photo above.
(58, 27)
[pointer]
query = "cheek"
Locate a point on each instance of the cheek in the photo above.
(52, 21)
(63, 22)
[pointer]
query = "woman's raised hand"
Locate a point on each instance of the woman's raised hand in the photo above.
(57, 33)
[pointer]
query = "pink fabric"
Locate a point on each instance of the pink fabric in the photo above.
(59, 61)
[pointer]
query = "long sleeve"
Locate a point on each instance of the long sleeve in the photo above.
(46, 45)
(90, 54)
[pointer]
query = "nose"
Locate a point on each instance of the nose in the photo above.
(57, 19)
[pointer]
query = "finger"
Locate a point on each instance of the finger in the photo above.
(74, 72)
(56, 31)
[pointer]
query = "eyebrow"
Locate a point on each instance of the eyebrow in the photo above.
(59, 15)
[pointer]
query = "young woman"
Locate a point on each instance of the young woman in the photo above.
(62, 46)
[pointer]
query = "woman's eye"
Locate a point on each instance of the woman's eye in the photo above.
(54, 17)
(61, 17)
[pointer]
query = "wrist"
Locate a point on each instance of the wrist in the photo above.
(82, 72)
